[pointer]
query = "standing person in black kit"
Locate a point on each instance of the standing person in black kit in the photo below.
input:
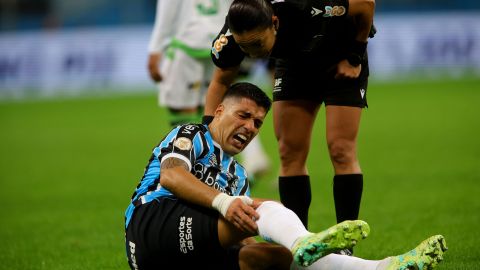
(320, 51)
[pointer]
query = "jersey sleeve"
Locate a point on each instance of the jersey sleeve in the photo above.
(225, 51)
(165, 25)
(186, 142)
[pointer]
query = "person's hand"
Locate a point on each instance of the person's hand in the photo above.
(243, 216)
(153, 70)
(238, 210)
(257, 202)
(347, 71)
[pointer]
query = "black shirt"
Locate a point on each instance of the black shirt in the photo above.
(310, 31)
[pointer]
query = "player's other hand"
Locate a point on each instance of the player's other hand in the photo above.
(347, 71)
(153, 70)
(243, 215)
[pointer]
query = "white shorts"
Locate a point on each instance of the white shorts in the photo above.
(185, 81)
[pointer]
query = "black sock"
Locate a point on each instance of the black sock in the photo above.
(347, 194)
(296, 195)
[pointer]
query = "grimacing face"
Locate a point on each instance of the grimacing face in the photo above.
(237, 121)
(257, 43)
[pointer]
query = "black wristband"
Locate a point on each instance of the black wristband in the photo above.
(354, 59)
(357, 51)
(207, 119)
(358, 47)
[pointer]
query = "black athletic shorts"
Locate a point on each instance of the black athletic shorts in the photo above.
(171, 234)
(303, 80)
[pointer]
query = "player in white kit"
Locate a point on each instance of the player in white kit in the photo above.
(179, 62)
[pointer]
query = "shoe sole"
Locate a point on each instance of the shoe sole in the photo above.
(426, 256)
(341, 236)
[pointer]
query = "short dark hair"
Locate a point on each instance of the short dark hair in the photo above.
(250, 91)
(247, 15)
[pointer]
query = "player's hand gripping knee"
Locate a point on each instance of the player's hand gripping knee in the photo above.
(237, 210)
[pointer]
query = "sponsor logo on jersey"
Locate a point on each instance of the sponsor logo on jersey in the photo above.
(315, 11)
(334, 11)
(278, 85)
(218, 45)
(362, 92)
(132, 255)
(209, 175)
(183, 143)
(185, 234)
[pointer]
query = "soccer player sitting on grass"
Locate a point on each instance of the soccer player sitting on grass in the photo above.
(192, 208)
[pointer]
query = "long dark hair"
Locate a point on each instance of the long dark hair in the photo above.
(246, 15)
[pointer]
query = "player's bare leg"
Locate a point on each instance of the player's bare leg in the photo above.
(342, 129)
(264, 256)
(293, 122)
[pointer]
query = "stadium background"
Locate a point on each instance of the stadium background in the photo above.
(78, 118)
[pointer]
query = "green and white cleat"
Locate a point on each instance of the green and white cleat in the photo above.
(310, 248)
(425, 256)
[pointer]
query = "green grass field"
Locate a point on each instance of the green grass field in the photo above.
(68, 168)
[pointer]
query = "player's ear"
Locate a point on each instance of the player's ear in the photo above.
(275, 22)
(219, 110)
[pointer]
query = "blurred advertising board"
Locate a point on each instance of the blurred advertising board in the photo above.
(427, 45)
(78, 60)
(72, 61)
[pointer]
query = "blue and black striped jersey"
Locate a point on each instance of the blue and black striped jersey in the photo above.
(205, 158)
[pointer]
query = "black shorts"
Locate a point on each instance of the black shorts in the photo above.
(171, 234)
(300, 80)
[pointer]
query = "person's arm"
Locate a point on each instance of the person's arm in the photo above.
(163, 30)
(177, 179)
(362, 11)
(222, 78)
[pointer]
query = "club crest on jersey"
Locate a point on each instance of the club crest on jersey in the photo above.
(334, 11)
(218, 45)
(183, 143)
